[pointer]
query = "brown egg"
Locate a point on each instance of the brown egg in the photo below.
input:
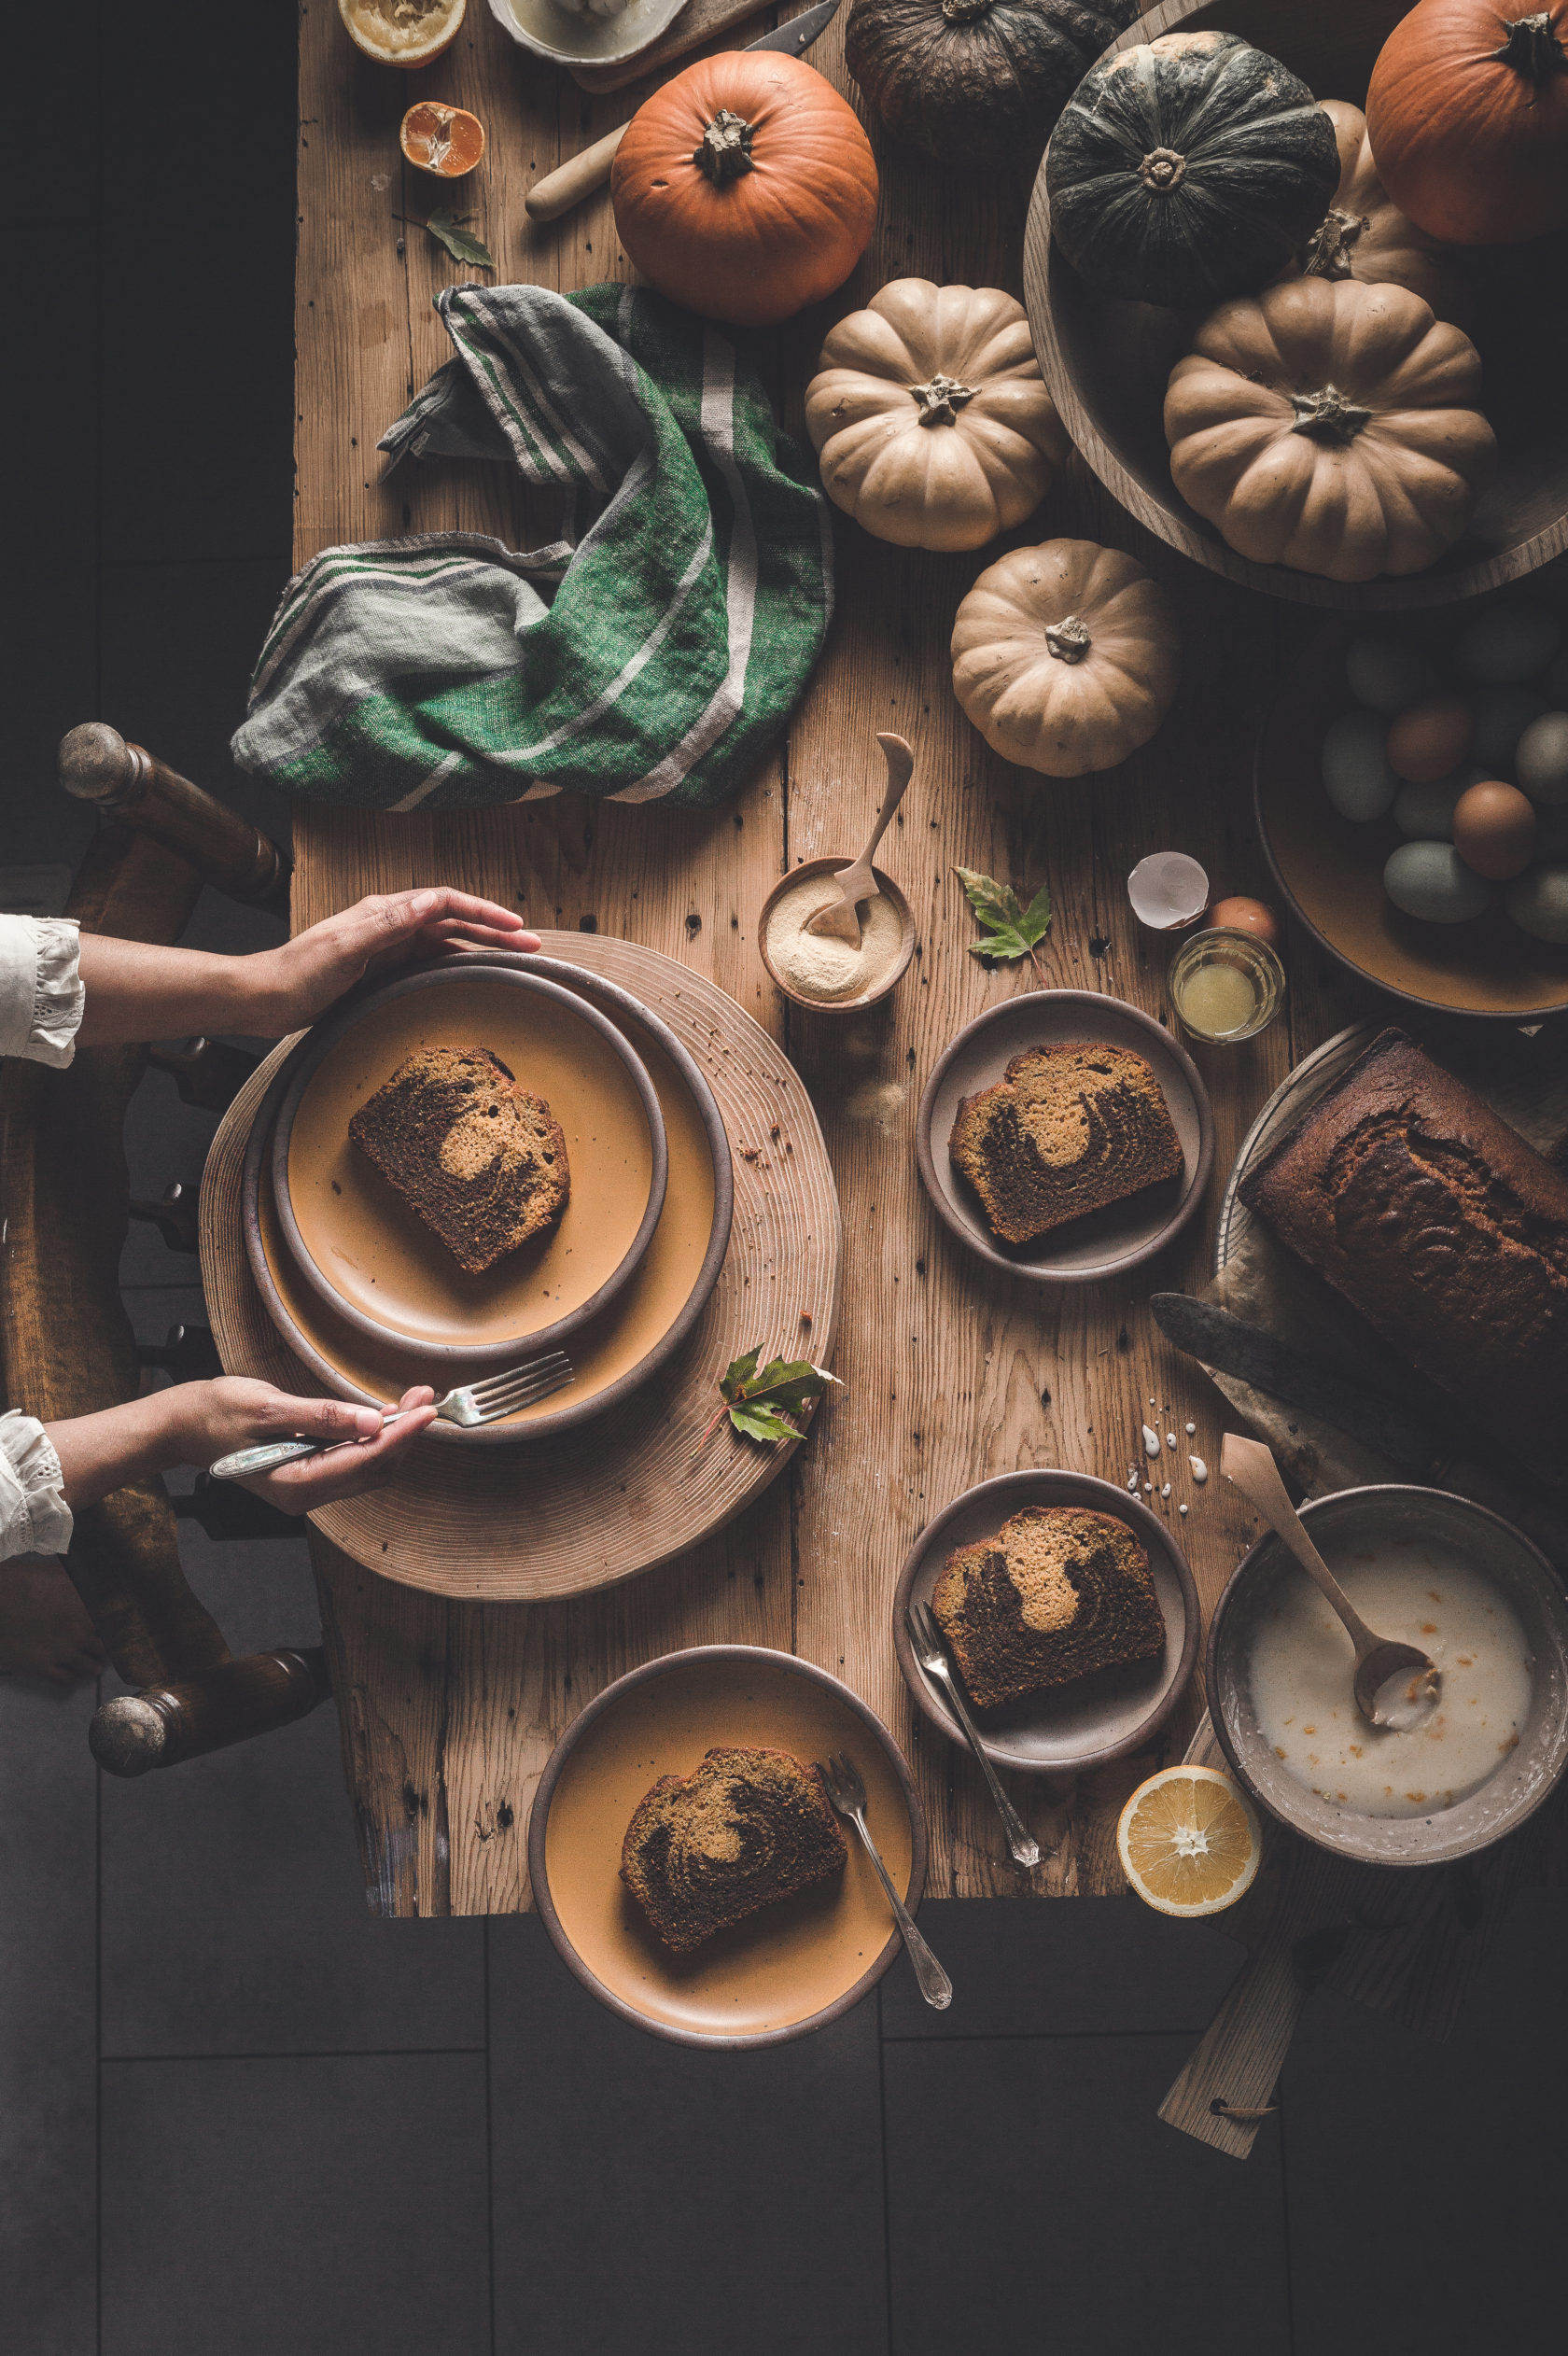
(1494, 830)
(1244, 915)
(1427, 741)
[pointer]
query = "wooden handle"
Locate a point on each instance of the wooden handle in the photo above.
(97, 765)
(1251, 1467)
(229, 1703)
(1226, 2089)
(901, 768)
(570, 183)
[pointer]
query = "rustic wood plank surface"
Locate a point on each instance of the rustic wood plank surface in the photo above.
(952, 1371)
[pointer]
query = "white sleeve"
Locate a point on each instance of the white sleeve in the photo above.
(41, 994)
(34, 1518)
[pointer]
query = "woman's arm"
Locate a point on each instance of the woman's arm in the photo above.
(137, 990)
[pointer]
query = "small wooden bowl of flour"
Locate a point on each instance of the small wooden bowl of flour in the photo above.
(814, 970)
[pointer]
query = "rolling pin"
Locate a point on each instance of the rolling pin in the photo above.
(570, 183)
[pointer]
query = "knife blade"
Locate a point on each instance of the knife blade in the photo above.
(570, 183)
(1254, 1355)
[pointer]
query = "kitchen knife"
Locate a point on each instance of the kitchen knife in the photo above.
(570, 183)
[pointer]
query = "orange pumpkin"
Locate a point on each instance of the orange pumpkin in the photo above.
(1468, 114)
(746, 188)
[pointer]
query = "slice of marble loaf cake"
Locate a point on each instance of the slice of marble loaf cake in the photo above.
(481, 1161)
(746, 1826)
(1059, 1590)
(1067, 1129)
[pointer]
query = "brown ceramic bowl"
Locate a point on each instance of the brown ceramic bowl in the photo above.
(1094, 1718)
(790, 1968)
(1330, 872)
(367, 1255)
(895, 899)
(623, 1347)
(1525, 1579)
(1106, 361)
(1106, 1243)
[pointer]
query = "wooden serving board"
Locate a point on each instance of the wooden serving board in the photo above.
(633, 1486)
(700, 21)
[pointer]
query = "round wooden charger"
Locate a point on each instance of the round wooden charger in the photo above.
(625, 1492)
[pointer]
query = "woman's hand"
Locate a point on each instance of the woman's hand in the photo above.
(233, 1412)
(298, 981)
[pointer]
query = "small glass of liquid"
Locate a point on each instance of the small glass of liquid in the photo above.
(1225, 986)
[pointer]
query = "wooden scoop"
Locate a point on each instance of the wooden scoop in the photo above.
(839, 919)
(1378, 1658)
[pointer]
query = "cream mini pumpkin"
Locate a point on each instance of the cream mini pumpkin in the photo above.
(1066, 657)
(1331, 427)
(1365, 234)
(932, 419)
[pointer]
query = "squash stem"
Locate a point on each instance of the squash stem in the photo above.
(1069, 639)
(1530, 46)
(1328, 416)
(1328, 248)
(725, 152)
(941, 399)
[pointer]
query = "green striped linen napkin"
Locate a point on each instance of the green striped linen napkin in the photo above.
(691, 591)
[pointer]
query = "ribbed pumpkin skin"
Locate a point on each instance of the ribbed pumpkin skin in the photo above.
(1390, 495)
(979, 91)
(1253, 169)
(1472, 147)
(784, 234)
(1365, 235)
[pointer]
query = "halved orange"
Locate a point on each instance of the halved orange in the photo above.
(1189, 1840)
(445, 140)
(403, 32)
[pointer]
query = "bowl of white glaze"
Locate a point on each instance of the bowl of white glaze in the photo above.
(569, 37)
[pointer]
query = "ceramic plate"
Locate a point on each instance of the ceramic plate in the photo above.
(788, 1968)
(567, 39)
(623, 1347)
(1331, 872)
(368, 1255)
(1107, 1242)
(1094, 1718)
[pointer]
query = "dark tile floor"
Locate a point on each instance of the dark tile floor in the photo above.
(237, 2114)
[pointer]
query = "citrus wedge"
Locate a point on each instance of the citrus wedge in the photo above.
(1189, 1841)
(403, 32)
(445, 140)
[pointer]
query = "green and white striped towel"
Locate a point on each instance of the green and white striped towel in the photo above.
(428, 672)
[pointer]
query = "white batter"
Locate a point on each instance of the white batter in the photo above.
(1300, 1674)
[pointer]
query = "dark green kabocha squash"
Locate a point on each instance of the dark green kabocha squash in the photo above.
(1188, 169)
(977, 83)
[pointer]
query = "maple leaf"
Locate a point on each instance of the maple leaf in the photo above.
(1012, 931)
(767, 1404)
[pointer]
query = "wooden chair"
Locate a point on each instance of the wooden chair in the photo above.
(66, 1346)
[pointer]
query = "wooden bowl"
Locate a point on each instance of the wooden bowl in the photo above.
(1527, 1582)
(628, 1343)
(1330, 872)
(367, 1255)
(895, 899)
(1106, 1242)
(787, 1970)
(1092, 1719)
(1106, 361)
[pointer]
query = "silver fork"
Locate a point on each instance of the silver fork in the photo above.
(472, 1403)
(931, 1654)
(841, 1779)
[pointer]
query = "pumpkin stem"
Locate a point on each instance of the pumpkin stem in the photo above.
(1069, 639)
(1162, 170)
(964, 11)
(1327, 253)
(1328, 416)
(1532, 46)
(725, 152)
(941, 399)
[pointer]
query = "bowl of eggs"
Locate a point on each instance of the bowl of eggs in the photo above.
(1411, 788)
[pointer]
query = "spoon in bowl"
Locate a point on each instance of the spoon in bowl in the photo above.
(840, 919)
(1380, 1662)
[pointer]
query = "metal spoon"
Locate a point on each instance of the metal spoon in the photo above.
(1378, 1658)
(840, 917)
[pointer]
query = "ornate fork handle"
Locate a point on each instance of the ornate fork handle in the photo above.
(272, 1454)
(935, 1986)
(1020, 1840)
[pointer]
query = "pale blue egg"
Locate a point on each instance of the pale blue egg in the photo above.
(1542, 759)
(1538, 903)
(1431, 881)
(1509, 642)
(1388, 675)
(1356, 775)
(1425, 813)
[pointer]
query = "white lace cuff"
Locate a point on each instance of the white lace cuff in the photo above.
(34, 1518)
(41, 994)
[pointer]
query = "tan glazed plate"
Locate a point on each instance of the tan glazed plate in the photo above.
(1106, 1242)
(790, 1968)
(1091, 1720)
(624, 1344)
(368, 1255)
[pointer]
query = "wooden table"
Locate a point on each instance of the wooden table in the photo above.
(952, 1372)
